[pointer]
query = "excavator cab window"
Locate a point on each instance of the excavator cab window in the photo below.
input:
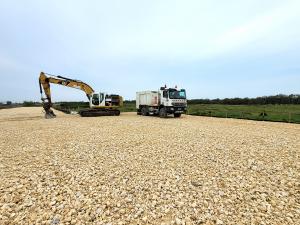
(95, 99)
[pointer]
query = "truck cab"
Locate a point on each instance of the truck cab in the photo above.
(172, 101)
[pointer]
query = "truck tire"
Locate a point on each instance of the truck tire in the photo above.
(145, 111)
(177, 115)
(162, 113)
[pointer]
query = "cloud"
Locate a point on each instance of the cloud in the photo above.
(183, 31)
(7, 63)
(267, 25)
(124, 46)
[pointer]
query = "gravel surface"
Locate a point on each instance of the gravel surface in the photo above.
(146, 170)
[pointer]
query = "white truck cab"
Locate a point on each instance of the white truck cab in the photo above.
(164, 102)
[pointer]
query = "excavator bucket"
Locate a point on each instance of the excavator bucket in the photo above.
(49, 114)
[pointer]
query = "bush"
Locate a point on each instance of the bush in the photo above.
(30, 104)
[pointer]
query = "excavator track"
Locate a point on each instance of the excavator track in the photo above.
(99, 112)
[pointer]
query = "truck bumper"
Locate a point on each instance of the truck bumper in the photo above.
(173, 109)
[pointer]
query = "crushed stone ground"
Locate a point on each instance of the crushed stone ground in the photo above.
(146, 170)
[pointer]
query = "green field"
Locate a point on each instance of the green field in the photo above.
(278, 113)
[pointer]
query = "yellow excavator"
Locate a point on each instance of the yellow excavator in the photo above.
(101, 104)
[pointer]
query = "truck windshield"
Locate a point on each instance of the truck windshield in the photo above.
(174, 94)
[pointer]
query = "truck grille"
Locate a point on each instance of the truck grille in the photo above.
(178, 104)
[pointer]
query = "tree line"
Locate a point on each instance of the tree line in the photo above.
(274, 99)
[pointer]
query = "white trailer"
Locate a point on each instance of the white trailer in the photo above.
(163, 102)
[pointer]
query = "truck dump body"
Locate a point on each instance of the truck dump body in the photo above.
(147, 98)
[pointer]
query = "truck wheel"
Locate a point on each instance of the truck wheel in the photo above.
(177, 115)
(145, 111)
(162, 113)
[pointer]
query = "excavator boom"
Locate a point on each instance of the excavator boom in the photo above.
(46, 80)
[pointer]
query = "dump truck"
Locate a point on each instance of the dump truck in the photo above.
(164, 102)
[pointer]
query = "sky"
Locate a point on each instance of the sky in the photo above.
(212, 48)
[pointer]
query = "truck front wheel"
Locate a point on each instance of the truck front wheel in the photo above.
(145, 111)
(162, 113)
(177, 115)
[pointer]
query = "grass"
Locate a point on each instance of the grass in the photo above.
(128, 107)
(67, 107)
(4, 106)
(278, 113)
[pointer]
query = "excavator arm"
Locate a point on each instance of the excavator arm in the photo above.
(46, 79)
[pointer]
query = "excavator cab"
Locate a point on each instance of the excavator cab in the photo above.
(100, 100)
(95, 101)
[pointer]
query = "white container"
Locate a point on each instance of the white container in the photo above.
(147, 98)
